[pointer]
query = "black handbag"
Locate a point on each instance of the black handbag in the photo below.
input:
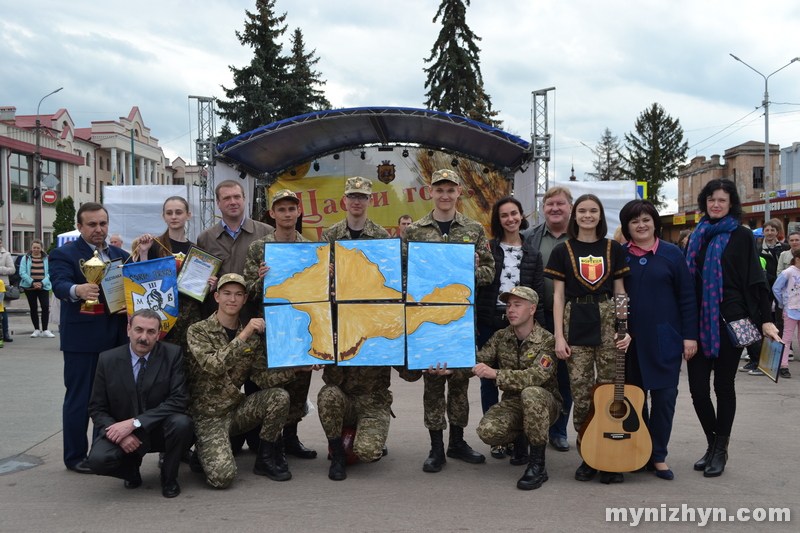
(12, 293)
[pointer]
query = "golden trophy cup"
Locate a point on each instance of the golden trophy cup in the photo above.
(94, 270)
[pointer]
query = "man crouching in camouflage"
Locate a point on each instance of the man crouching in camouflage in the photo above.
(356, 397)
(223, 354)
(524, 354)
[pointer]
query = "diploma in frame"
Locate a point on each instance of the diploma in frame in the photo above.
(198, 266)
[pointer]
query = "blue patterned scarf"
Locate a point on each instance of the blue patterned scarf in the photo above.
(716, 236)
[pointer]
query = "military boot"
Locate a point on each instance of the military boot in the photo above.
(459, 449)
(293, 446)
(280, 456)
(436, 458)
(701, 464)
(535, 474)
(265, 463)
(336, 471)
(520, 457)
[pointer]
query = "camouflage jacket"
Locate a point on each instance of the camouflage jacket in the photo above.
(370, 381)
(339, 232)
(462, 229)
(217, 369)
(255, 256)
(532, 363)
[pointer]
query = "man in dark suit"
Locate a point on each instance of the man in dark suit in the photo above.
(138, 403)
(83, 336)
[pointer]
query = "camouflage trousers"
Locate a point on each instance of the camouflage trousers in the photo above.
(533, 411)
(456, 403)
(589, 365)
(298, 394)
(267, 407)
(338, 410)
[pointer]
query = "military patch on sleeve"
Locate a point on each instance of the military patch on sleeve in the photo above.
(530, 354)
(546, 361)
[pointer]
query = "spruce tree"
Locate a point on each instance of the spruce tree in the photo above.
(261, 90)
(64, 221)
(307, 97)
(609, 162)
(455, 82)
(655, 150)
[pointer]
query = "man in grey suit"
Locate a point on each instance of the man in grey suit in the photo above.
(138, 404)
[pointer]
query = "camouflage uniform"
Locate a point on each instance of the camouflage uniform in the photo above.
(217, 369)
(527, 376)
(339, 232)
(586, 359)
(297, 389)
(357, 397)
(456, 406)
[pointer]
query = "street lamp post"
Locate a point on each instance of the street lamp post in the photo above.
(37, 166)
(766, 129)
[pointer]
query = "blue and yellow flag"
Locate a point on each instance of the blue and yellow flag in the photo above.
(153, 285)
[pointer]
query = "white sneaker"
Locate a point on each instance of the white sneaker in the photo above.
(48, 334)
(36, 333)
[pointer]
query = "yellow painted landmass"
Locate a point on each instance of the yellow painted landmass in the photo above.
(320, 327)
(309, 285)
(359, 322)
(442, 314)
(452, 294)
(358, 278)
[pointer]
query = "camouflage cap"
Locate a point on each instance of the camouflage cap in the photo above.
(358, 185)
(526, 293)
(445, 175)
(231, 278)
(284, 194)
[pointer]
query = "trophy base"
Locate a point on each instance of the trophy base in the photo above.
(88, 308)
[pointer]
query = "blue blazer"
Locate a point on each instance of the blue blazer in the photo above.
(83, 333)
(663, 312)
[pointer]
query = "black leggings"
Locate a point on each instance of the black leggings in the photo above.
(724, 368)
(42, 296)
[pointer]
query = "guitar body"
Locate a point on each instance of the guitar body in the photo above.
(613, 437)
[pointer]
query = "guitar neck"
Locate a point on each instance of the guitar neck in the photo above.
(621, 308)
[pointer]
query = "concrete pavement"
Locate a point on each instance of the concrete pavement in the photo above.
(393, 494)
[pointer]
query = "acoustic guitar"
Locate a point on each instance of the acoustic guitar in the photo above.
(614, 438)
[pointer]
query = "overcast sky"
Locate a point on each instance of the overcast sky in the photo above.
(608, 61)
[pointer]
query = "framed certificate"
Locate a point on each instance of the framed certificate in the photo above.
(113, 286)
(198, 266)
(770, 360)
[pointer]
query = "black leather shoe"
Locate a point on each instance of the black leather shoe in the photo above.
(7, 338)
(384, 451)
(135, 480)
(293, 446)
(585, 472)
(459, 449)
(611, 477)
(81, 467)
(559, 444)
(436, 458)
(170, 489)
(498, 452)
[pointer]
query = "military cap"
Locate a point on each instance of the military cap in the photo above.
(526, 293)
(358, 185)
(284, 194)
(444, 175)
(231, 278)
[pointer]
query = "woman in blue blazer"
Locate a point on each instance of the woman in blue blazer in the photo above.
(662, 321)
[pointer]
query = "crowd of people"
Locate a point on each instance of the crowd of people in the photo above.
(546, 331)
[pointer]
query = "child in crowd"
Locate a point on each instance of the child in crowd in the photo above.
(787, 293)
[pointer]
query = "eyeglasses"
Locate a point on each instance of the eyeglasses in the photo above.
(359, 197)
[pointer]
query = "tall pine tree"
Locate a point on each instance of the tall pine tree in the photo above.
(307, 97)
(455, 82)
(656, 150)
(261, 92)
(609, 162)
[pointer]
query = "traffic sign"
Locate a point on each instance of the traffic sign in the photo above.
(49, 197)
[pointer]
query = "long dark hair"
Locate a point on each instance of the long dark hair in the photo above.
(602, 227)
(727, 186)
(634, 209)
(166, 249)
(497, 228)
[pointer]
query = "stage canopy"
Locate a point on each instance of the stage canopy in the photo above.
(275, 148)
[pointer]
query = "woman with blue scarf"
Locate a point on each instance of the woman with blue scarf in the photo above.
(730, 286)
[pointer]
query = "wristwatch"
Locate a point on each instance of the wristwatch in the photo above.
(136, 423)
